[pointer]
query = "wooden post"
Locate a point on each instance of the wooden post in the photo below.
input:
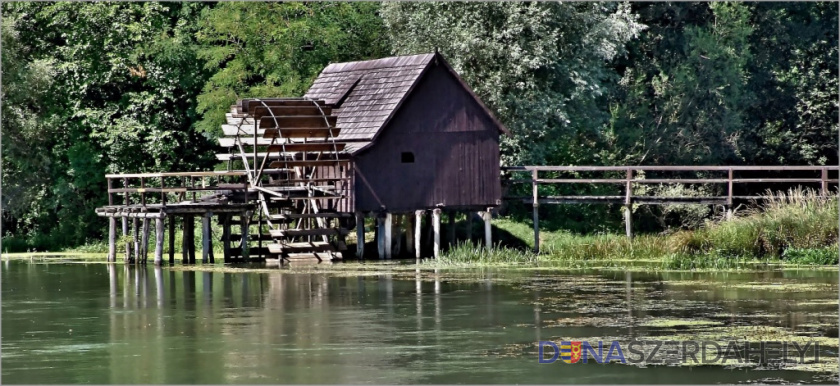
(145, 240)
(729, 196)
(488, 235)
(185, 250)
(127, 242)
(243, 221)
(436, 230)
(191, 235)
(135, 230)
(360, 235)
(380, 236)
(628, 204)
(418, 222)
(205, 238)
(389, 245)
(226, 235)
(112, 238)
(824, 182)
(171, 240)
(536, 207)
(158, 241)
(451, 231)
(397, 234)
(409, 235)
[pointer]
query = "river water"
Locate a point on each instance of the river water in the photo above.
(97, 323)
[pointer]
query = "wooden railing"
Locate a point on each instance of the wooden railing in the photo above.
(141, 188)
(631, 177)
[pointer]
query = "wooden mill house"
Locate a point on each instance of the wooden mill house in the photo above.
(398, 139)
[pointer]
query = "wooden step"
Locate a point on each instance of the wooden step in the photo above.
(307, 163)
(249, 156)
(262, 111)
(236, 237)
(308, 147)
(281, 233)
(303, 247)
(302, 198)
(302, 132)
(284, 182)
(231, 120)
(303, 121)
(292, 216)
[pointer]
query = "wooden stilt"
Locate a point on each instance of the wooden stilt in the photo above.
(360, 235)
(536, 208)
(450, 215)
(436, 230)
(429, 232)
(226, 236)
(191, 234)
(396, 230)
(171, 240)
(244, 217)
(380, 236)
(145, 241)
(469, 227)
(488, 235)
(127, 243)
(409, 235)
(418, 222)
(135, 230)
(388, 228)
(112, 239)
(158, 241)
(205, 238)
(628, 204)
(185, 249)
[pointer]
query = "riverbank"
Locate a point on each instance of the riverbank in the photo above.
(792, 229)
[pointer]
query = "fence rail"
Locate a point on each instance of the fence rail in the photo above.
(136, 187)
(632, 177)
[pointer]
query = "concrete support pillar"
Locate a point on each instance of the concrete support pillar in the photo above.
(112, 239)
(158, 241)
(380, 236)
(436, 231)
(488, 235)
(360, 235)
(388, 228)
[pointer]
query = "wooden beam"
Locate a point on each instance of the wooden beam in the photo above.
(158, 241)
(299, 132)
(299, 121)
(360, 235)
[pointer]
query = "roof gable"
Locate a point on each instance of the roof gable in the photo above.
(368, 93)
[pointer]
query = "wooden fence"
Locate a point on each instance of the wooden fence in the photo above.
(730, 176)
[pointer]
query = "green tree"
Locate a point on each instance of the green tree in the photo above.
(542, 67)
(277, 49)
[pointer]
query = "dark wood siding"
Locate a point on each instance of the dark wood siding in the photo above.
(455, 146)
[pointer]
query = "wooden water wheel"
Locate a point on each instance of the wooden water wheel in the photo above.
(297, 174)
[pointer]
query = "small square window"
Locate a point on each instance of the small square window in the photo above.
(407, 157)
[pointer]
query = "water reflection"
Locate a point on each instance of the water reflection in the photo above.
(153, 325)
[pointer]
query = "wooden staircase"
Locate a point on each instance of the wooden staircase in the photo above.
(298, 175)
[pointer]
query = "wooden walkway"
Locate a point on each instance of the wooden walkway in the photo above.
(629, 177)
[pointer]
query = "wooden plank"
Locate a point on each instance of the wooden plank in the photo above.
(261, 111)
(280, 233)
(250, 105)
(310, 215)
(303, 247)
(309, 147)
(306, 163)
(302, 132)
(302, 121)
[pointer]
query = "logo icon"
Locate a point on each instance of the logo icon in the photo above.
(570, 351)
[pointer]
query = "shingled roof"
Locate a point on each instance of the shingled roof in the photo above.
(369, 92)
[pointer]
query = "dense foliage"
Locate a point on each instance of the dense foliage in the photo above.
(92, 88)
